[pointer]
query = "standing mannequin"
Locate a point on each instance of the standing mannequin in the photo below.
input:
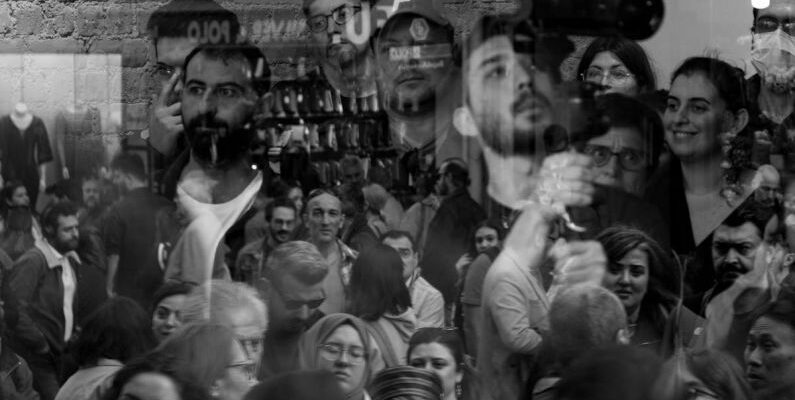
(78, 138)
(24, 149)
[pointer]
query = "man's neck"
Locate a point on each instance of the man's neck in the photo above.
(776, 106)
(510, 178)
(326, 248)
(215, 185)
(702, 176)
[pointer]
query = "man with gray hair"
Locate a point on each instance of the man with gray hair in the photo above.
(581, 317)
(232, 304)
(292, 286)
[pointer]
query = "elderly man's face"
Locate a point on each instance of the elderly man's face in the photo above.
(218, 103)
(510, 100)
(324, 218)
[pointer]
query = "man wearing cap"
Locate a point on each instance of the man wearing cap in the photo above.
(415, 56)
(223, 88)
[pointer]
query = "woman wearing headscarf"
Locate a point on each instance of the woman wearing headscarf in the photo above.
(341, 344)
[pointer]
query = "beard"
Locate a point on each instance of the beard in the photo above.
(501, 135)
(214, 143)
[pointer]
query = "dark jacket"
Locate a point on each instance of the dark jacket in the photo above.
(39, 291)
(449, 236)
(16, 380)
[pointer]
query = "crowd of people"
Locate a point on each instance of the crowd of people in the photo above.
(636, 243)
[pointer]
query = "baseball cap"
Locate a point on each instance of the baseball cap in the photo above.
(423, 8)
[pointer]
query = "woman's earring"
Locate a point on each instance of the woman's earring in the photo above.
(459, 392)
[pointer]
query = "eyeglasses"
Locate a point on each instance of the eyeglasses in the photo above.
(770, 24)
(615, 76)
(252, 346)
(628, 159)
(248, 368)
(334, 352)
(341, 15)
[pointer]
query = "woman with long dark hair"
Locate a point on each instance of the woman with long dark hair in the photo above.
(647, 282)
(378, 295)
(619, 64)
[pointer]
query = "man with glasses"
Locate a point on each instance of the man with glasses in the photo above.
(293, 289)
(627, 155)
(426, 301)
(324, 220)
(772, 52)
(341, 32)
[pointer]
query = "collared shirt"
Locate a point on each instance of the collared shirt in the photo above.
(55, 260)
(336, 282)
(427, 302)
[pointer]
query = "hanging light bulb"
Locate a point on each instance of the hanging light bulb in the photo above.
(760, 3)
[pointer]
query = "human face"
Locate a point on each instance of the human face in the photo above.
(628, 278)
(694, 118)
(734, 250)
(486, 238)
(171, 54)
(66, 234)
(150, 386)
(282, 224)
(166, 318)
(296, 195)
(627, 143)
(240, 376)
(249, 332)
(218, 104)
(437, 358)
(344, 56)
(350, 375)
(325, 218)
(770, 357)
(413, 80)
(443, 183)
(509, 99)
(778, 10)
(352, 175)
(20, 197)
(607, 70)
(91, 193)
(292, 303)
(407, 255)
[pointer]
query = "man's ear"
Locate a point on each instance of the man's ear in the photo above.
(464, 122)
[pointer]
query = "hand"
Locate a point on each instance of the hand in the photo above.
(578, 262)
(65, 173)
(566, 179)
(167, 118)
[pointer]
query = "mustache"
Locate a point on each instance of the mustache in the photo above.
(526, 101)
(207, 122)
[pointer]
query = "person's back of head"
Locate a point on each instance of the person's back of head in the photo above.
(218, 300)
(298, 385)
(129, 164)
(610, 373)
(118, 330)
(377, 286)
(299, 259)
(406, 383)
(583, 317)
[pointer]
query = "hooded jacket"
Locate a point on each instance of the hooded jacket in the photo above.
(391, 333)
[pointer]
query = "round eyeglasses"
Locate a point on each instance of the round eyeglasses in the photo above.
(341, 15)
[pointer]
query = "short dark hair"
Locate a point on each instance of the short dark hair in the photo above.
(119, 330)
(627, 112)
(458, 169)
(629, 53)
(548, 51)
(750, 211)
(377, 286)
(169, 289)
(49, 218)
(253, 56)
(129, 163)
(281, 202)
(173, 19)
(397, 234)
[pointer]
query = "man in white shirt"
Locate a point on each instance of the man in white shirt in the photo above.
(44, 282)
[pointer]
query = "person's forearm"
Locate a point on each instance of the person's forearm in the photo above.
(113, 265)
(162, 140)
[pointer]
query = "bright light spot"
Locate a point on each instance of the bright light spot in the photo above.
(760, 3)
(254, 167)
